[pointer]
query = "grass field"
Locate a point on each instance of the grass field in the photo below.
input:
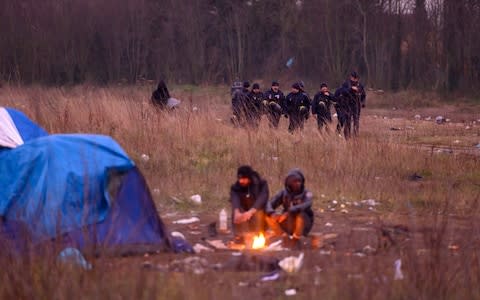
(195, 150)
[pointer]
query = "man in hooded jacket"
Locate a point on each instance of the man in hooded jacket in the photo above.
(248, 196)
(296, 218)
(161, 95)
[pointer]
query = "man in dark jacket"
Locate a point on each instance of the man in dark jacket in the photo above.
(296, 218)
(161, 95)
(297, 107)
(254, 106)
(350, 100)
(239, 103)
(248, 197)
(321, 105)
(273, 101)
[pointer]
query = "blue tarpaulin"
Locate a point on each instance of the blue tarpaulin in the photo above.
(81, 189)
(59, 182)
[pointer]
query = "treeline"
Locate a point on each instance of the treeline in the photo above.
(394, 44)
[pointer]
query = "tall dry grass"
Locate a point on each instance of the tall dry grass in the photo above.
(195, 150)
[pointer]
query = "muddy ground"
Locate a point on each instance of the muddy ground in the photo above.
(362, 244)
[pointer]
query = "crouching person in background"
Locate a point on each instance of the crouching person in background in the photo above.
(249, 196)
(296, 218)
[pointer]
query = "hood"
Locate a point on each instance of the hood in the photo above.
(297, 173)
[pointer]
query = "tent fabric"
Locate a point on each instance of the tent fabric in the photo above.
(57, 183)
(128, 222)
(9, 135)
(72, 190)
(27, 129)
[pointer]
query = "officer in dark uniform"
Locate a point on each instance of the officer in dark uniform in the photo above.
(273, 102)
(297, 107)
(321, 106)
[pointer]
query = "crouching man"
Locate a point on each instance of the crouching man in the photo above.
(296, 218)
(248, 196)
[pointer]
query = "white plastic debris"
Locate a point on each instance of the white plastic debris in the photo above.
(456, 141)
(178, 234)
(334, 202)
(440, 120)
(369, 250)
(194, 108)
(187, 221)
(271, 277)
(74, 257)
(467, 127)
(370, 202)
(290, 292)
(217, 244)
(428, 118)
(418, 117)
(201, 248)
(328, 224)
(291, 264)
(398, 270)
(478, 146)
(172, 102)
(145, 157)
(197, 199)
(275, 246)
(156, 191)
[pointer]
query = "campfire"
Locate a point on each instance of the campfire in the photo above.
(258, 241)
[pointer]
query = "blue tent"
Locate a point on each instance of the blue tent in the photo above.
(82, 190)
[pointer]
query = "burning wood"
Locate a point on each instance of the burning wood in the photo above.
(258, 241)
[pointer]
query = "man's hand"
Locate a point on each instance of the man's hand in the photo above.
(355, 88)
(238, 217)
(280, 217)
(249, 213)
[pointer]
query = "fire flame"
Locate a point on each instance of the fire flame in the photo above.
(258, 241)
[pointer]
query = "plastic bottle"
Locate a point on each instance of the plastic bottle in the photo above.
(222, 220)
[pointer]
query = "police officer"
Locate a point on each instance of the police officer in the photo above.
(239, 104)
(273, 102)
(254, 106)
(351, 97)
(321, 105)
(297, 107)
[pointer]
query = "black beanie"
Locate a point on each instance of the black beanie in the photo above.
(354, 74)
(323, 84)
(246, 84)
(255, 86)
(297, 86)
(245, 171)
(275, 83)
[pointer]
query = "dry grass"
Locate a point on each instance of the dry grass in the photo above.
(195, 150)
